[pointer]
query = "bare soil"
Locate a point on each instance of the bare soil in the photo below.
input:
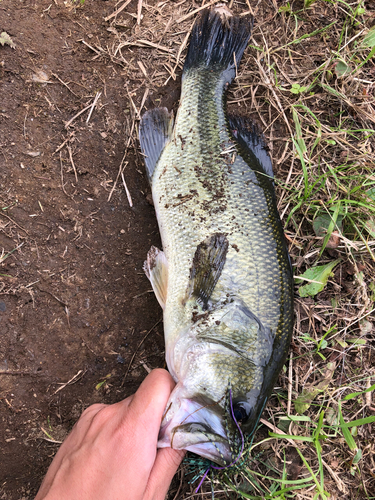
(75, 304)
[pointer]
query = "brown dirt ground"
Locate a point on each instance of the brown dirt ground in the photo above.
(74, 300)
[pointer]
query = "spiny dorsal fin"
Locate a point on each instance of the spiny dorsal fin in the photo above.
(156, 269)
(251, 138)
(155, 130)
(208, 263)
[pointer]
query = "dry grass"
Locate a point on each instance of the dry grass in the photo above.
(307, 77)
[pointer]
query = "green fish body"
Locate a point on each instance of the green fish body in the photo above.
(224, 277)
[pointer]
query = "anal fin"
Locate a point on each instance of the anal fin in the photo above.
(155, 130)
(156, 269)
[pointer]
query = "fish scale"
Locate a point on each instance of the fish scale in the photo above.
(224, 277)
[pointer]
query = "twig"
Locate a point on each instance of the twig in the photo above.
(65, 85)
(135, 352)
(98, 94)
(61, 146)
(92, 48)
(73, 380)
(182, 46)
(127, 190)
(118, 175)
(67, 124)
(139, 12)
(62, 177)
(13, 222)
(122, 161)
(72, 162)
(143, 102)
(54, 296)
(117, 11)
(193, 12)
(50, 440)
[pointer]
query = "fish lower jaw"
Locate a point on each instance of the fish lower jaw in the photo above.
(217, 450)
(200, 437)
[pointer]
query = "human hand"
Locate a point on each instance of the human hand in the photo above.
(111, 453)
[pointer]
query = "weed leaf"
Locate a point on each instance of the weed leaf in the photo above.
(318, 277)
(369, 39)
(342, 69)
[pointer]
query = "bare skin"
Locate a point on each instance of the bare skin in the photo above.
(112, 452)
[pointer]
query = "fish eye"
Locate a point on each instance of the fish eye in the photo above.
(241, 414)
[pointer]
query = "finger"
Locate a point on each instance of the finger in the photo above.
(165, 467)
(148, 404)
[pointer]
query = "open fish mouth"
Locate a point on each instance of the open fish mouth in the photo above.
(199, 438)
(197, 426)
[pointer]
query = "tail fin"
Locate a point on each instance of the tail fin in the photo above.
(218, 40)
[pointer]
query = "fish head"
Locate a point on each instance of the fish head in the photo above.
(204, 426)
(222, 384)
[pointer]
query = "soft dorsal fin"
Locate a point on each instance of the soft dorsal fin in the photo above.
(251, 138)
(155, 130)
(156, 269)
(208, 263)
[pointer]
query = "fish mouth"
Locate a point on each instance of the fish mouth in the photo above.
(196, 426)
(200, 439)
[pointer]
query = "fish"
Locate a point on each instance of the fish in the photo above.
(224, 277)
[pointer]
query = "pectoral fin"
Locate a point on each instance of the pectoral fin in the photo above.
(156, 269)
(208, 263)
(155, 130)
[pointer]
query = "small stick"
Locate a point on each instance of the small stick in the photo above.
(192, 13)
(250, 9)
(54, 296)
(65, 84)
(67, 316)
(72, 162)
(182, 46)
(142, 68)
(147, 368)
(62, 176)
(61, 146)
(117, 11)
(73, 380)
(13, 222)
(118, 175)
(139, 13)
(24, 123)
(48, 439)
(67, 124)
(155, 45)
(126, 190)
(143, 102)
(123, 158)
(98, 94)
(92, 48)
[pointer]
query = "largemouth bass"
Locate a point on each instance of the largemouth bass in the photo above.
(224, 277)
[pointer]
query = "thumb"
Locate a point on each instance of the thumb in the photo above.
(165, 467)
